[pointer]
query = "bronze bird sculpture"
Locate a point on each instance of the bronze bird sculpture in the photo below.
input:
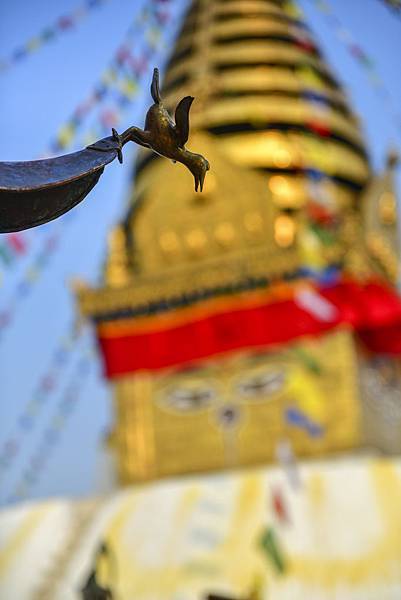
(166, 137)
(35, 192)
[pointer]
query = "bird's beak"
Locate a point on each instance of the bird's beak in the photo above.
(202, 179)
(196, 182)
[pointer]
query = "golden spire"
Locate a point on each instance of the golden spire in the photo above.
(267, 104)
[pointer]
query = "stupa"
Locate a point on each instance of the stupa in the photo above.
(232, 319)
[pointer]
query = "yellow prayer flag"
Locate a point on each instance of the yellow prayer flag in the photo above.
(65, 135)
(307, 394)
(33, 44)
(32, 274)
(129, 87)
(310, 249)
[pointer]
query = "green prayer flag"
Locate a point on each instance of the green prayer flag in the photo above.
(5, 255)
(270, 546)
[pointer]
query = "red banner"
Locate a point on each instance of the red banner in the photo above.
(188, 335)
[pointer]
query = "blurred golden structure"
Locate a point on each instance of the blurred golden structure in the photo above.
(198, 319)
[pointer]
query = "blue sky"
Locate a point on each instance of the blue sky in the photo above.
(36, 96)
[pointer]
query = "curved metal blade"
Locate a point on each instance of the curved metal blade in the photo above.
(35, 192)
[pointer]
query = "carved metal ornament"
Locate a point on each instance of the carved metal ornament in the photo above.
(35, 192)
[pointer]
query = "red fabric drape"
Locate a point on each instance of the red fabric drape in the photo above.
(373, 310)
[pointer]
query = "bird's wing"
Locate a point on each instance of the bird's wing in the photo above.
(182, 119)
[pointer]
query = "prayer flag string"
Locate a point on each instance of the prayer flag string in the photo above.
(52, 242)
(51, 434)
(63, 24)
(121, 79)
(365, 61)
(43, 392)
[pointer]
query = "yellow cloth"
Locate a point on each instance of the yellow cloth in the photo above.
(183, 538)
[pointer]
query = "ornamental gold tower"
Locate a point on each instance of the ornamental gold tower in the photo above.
(232, 319)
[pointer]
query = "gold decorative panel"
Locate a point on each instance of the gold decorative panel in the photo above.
(231, 411)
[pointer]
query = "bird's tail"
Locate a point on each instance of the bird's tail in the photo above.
(154, 88)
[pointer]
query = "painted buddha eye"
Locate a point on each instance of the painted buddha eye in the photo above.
(261, 384)
(189, 399)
